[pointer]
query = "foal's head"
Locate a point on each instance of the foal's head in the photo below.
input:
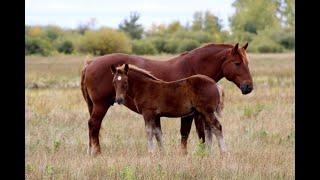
(235, 68)
(120, 82)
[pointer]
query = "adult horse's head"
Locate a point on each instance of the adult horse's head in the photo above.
(120, 82)
(235, 68)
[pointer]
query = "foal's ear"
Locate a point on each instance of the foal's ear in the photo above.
(245, 46)
(234, 50)
(126, 68)
(113, 69)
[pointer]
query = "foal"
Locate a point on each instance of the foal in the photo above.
(155, 98)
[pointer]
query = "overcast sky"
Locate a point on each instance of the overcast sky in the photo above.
(70, 13)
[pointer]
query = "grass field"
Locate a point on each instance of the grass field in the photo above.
(258, 129)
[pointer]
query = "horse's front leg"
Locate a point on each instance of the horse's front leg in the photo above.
(158, 133)
(150, 125)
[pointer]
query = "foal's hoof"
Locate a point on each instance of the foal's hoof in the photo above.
(93, 152)
(224, 154)
(151, 151)
(183, 151)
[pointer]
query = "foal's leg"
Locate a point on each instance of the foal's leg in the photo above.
(217, 130)
(158, 133)
(96, 117)
(207, 121)
(199, 123)
(185, 128)
(150, 124)
(206, 130)
(208, 134)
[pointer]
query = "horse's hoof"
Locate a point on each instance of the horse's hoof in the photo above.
(224, 154)
(183, 151)
(94, 151)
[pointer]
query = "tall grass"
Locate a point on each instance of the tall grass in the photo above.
(258, 129)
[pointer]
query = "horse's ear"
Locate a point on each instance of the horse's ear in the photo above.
(126, 68)
(113, 69)
(245, 46)
(235, 49)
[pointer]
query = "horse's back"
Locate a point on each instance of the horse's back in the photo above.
(204, 88)
(200, 81)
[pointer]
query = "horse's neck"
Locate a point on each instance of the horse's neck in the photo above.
(207, 62)
(137, 82)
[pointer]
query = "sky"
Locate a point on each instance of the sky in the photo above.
(71, 13)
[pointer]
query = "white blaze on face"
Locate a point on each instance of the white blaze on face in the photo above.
(119, 78)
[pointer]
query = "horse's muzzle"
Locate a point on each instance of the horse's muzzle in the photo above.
(246, 88)
(120, 101)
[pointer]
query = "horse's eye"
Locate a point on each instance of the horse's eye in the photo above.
(237, 63)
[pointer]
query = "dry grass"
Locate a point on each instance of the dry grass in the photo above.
(258, 128)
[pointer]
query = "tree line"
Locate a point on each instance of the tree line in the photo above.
(268, 26)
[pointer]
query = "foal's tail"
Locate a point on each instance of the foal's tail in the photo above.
(84, 88)
(221, 100)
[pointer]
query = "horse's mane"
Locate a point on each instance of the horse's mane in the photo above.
(242, 54)
(141, 71)
(207, 45)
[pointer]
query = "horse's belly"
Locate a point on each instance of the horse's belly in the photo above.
(176, 111)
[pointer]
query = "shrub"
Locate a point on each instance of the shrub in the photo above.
(66, 47)
(187, 45)
(143, 47)
(38, 46)
(171, 46)
(105, 41)
(285, 38)
(159, 43)
(53, 32)
(264, 44)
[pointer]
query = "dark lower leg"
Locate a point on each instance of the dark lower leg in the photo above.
(186, 123)
(199, 123)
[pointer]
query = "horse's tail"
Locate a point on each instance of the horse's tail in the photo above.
(221, 100)
(84, 88)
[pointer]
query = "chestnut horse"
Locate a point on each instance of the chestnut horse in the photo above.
(213, 60)
(154, 98)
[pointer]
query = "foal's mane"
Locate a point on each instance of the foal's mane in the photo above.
(142, 72)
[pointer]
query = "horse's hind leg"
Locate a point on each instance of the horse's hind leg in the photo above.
(158, 133)
(204, 129)
(217, 131)
(185, 128)
(199, 123)
(97, 115)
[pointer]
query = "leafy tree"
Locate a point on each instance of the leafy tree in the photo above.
(212, 23)
(197, 23)
(252, 16)
(82, 28)
(131, 27)
(286, 9)
(174, 27)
